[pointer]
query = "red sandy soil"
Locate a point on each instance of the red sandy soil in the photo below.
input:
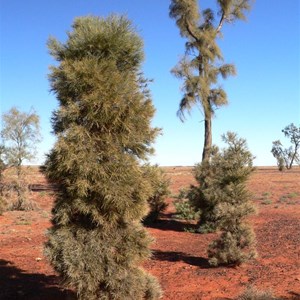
(179, 258)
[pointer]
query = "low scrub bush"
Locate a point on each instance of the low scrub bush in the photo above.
(17, 195)
(184, 208)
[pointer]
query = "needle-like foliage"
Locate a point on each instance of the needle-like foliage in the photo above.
(226, 202)
(97, 242)
(223, 201)
(160, 190)
(202, 65)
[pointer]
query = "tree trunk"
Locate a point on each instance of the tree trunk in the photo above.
(207, 139)
(293, 157)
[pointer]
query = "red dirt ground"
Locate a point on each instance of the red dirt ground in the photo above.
(179, 258)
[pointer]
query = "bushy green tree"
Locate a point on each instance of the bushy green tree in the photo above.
(287, 157)
(160, 190)
(97, 242)
(202, 64)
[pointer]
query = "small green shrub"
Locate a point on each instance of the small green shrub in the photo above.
(23, 220)
(185, 211)
(282, 198)
(292, 195)
(45, 214)
(266, 194)
(160, 191)
(18, 198)
(208, 227)
(266, 201)
(288, 197)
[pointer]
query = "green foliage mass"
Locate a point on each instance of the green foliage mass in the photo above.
(184, 209)
(97, 242)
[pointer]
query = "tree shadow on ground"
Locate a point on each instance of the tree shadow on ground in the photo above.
(16, 284)
(168, 222)
(173, 256)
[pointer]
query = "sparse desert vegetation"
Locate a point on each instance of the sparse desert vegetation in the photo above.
(179, 259)
(98, 221)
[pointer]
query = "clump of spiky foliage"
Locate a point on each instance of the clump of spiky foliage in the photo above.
(252, 293)
(184, 208)
(160, 190)
(97, 241)
(224, 202)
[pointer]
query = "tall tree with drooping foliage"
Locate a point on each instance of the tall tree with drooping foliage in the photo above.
(203, 63)
(97, 242)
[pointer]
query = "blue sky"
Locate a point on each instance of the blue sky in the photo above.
(264, 97)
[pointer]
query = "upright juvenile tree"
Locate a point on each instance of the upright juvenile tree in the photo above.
(202, 64)
(224, 203)
(160, 191)
(102, 124)
(230, 202)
